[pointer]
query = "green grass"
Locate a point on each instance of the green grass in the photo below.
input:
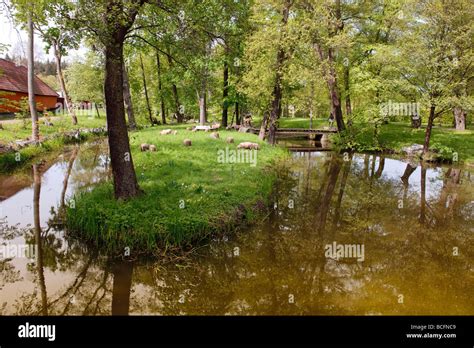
(15, 131)
(217, 196)
(396, 135)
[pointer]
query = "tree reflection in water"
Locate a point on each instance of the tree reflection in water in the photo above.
(409, 217)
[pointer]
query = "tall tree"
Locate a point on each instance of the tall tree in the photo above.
(31, 77)
(118, 19)
(60, 36)
(225, 94)
(439, 50)
(145, 89)
(275, 110)
(174, 88)
(160, 88)
(39, 238)
(109, 22)
(323, 41)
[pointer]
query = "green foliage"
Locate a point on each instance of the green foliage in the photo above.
(394, 136)
(350, 139)
(23, 112)
(16, 131)
(443, 152)
(84, 79)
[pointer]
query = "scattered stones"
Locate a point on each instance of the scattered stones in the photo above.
(413, 150)
(216, 126)
(229, 140)
(244, 129)
(96, 131)
(166, 131)
(175, 132)
(233, 127)
(214, 135)
(152, 148)
(144, 147)
(203, 128)
(248, 145)
(187, 142)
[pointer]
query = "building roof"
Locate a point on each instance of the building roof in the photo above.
(14, 78)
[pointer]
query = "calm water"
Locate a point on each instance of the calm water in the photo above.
(410, 229)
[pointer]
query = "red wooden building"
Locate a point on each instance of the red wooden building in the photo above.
(14, 87)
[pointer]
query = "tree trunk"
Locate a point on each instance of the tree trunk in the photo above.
(237, 113)
(39, 238)
(122, 271)
(31, 81)
(331, 77)
(202, 103)
(275, 111)
(67, 98)
(381, 167)
(342, 186)
(66, 178)
(335, 26)
(347, 92)
(406, 174)
(127, 97)
(160, 89)
(179, 115)
(97, 110)
(150, 116)
(415, 121)
(459, 118)
(263, 126)
(203, 87)
(366, 165)
(423, 195)
(225, 94)
(125, 180)
(323, 207)
(429, 127)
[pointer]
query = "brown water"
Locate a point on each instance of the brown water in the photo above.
(415, 225)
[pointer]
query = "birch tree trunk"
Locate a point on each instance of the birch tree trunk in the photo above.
(160, 89)
(127, 97)
(67, 98)
(31, 81)
(459, 118)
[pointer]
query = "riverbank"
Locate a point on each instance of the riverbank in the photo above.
(449, 144)
(394, 136)
(16, 152)
(190, 193)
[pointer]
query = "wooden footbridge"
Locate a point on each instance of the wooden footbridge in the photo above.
(313, 134)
